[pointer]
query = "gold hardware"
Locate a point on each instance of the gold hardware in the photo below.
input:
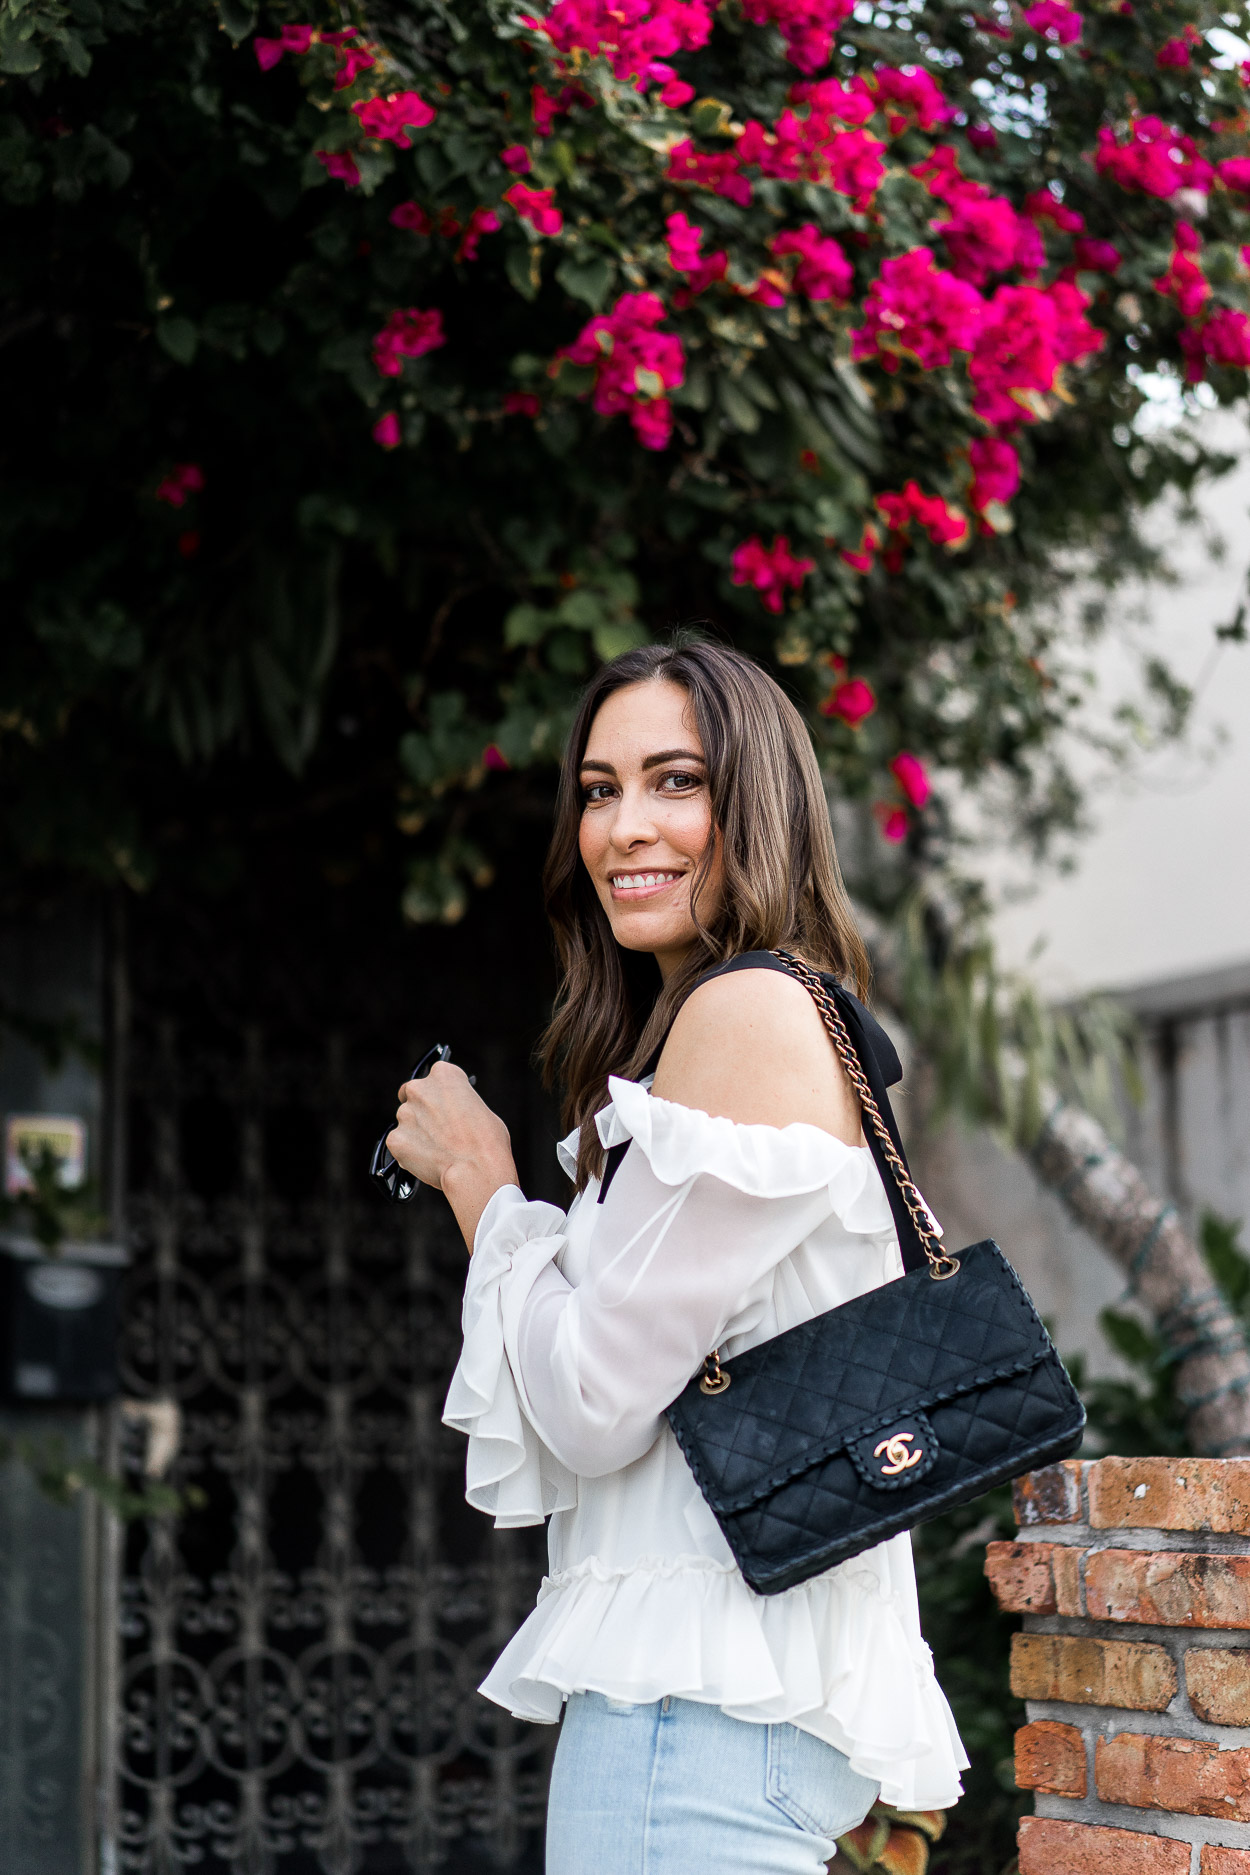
(898, 1458)
(715, 1379)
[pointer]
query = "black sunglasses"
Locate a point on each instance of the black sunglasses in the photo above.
(385, 1170)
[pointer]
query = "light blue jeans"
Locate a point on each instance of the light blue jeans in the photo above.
(676, 1786)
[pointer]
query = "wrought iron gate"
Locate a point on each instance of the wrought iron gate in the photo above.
(300, 1652)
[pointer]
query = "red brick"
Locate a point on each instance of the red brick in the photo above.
(1217, 1680)
(1137, 1675)
(1020, 1576)
(1224, 1861)
(1051, 1757)
(1170, 1494)
(1052, 1495)
(1065, 1567)
(1049, 1847)
(1189, 1776)
(1173, 1588)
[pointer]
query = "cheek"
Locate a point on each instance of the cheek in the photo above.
(590, 839)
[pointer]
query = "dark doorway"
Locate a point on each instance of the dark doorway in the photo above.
(300, 1652)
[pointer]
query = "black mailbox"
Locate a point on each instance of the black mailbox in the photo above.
(58, 1321)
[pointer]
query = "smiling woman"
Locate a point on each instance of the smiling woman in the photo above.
(724, 1195)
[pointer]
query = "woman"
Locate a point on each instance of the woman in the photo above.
(727, 1199)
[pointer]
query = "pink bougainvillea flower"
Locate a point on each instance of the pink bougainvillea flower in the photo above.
(408, 333)
(521, 404)
(769, 569)
(916, 309)
(861, 557)
(352, 61)
(185, 478)
(291, 38)
(908, 95)
(982, 136)
(481, 221)
(388, 120)
(891, 820)
(995, 471)
(709, 271)
(1172, 53)
(411, 217)
(720, 173)
(771, 289)
(545, 109)
(684, 242)
(944, 525)
(676, 93)
(1224, 339)
(1184, 280)
(807, 26)
(1043, 205)
(998, 29)
(1096, 256)
(635, 36)
(516, 158)
(823, 271)
(340, 164)
(634, 365)
(1027, 333)
(1155, 159)
(812, 146)
(493, 758)
(909, 772)
(1054, 21)
(535, 206)
(850, 700)
(386, 431)
(1234, 173)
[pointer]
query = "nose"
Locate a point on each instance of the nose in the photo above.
(633, 824)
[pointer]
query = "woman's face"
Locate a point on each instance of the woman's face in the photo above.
(647, 819)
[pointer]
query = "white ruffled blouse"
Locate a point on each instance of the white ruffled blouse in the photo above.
(579, 1330)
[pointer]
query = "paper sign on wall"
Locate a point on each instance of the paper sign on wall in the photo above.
(27, 1134)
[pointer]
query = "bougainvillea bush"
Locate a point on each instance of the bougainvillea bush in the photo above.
(372, 372)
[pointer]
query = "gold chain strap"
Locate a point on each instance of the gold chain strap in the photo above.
(941, 1263)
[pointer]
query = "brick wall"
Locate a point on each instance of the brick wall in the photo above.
(1133, 1578)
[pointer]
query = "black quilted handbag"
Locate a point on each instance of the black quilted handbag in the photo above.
(885, 1411)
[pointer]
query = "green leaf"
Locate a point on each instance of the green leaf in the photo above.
(610, 640)
(586, 280)
(179, 338)
(526, 625)
(524, 269)
(237, 17)
(582, 609)
(20, 57)
(737, 407)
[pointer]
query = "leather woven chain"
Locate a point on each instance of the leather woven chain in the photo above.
(941, 1263)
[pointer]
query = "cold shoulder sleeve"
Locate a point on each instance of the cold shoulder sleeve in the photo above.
(680, 1259)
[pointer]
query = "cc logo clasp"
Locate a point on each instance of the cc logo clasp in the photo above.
(898, 1458)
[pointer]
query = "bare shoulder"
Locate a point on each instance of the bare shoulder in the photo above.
(752, 1047)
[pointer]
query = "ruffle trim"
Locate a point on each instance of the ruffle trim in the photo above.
(760, 1161)
(510, 1474)
(833, 1656)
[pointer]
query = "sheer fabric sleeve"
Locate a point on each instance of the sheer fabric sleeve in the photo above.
(509, 1472)
(681, 1257)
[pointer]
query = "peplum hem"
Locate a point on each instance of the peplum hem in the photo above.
(681, 1143)
(836, 1656)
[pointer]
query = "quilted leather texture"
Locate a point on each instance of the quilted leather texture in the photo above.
(771, 1453)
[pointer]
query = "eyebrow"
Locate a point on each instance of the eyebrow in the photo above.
(653, 761)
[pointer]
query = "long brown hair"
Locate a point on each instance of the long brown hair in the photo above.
(782, 885)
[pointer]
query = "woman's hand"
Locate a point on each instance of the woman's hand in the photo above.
(448, 1136)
